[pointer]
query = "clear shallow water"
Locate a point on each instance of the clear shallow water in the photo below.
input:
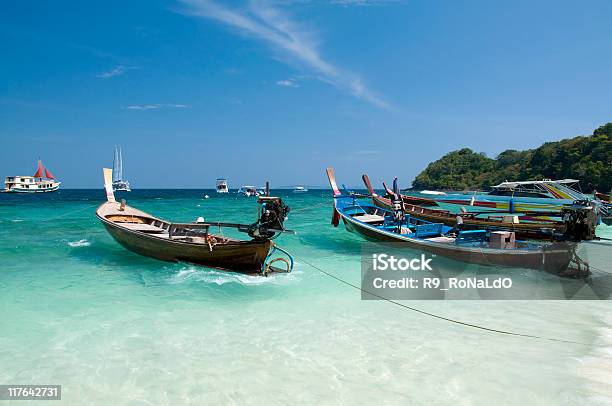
(116, 328)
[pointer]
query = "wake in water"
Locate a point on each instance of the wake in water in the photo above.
(79, 243)
(190, 273)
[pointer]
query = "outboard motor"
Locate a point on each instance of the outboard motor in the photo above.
(272, 215)
(580, 220)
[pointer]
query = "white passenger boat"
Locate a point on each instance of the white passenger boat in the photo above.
(248, 191)
(222, 185)
(43, 181)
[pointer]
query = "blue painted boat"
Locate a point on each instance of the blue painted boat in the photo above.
(482, 247)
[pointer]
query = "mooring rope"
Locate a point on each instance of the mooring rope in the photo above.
(436, 316)
(67, 213)
(326, 203)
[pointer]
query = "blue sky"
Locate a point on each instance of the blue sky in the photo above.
(278, 90)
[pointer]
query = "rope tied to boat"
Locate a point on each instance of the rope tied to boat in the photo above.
(436, 316)
(266, 266)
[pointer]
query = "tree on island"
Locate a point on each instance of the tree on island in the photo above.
(586, 158)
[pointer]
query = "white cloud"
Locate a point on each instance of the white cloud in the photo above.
(292, 43)
(116, 71)
(287, 83)
(157, 106)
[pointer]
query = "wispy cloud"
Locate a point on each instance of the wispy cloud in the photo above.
(287, 83)
(157, 106)
(293, 43)
(116, 71)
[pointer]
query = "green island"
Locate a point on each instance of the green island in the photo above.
(587, 158)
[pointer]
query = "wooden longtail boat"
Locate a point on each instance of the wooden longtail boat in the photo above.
(540, 230)
(524, 196)
(150, 236)
(470, 246)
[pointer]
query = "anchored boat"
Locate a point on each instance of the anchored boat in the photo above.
(248, 191)
(514, 197)
(221, 185)
(525, 226)
(153, 237)
(119, 184)
(498, 248)
(42, 181)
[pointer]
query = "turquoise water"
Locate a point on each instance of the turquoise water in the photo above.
(115, 328)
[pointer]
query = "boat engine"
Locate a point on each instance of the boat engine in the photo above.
(580, 220)
(272, 215)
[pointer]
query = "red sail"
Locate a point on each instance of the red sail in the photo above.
(38, 173)
(48, 174)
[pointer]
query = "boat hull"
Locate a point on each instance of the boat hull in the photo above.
(239, 256)
(554, 259)
(502, 203)
(231, 255)
(21, 190)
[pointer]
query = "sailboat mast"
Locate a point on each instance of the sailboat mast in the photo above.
(120, 164)
(115, 158)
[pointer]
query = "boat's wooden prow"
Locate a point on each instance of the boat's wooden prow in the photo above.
(332, 181)
(368, 184)
(108, 185)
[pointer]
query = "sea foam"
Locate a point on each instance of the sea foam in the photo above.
(210, 276)
(79, 243)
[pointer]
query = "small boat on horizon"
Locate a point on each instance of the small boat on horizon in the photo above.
(119, 184)
(300, 189)
(248, 191)
(42, 181)
(221, 185)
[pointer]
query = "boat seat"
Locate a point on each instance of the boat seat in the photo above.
(370, 218)
(144, 228)
(428, 230)
(472, 235)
